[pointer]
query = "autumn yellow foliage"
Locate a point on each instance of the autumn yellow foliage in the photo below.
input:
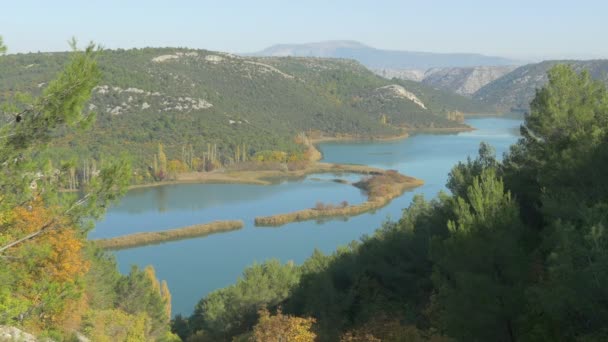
(282, 328)
(56, 270)
(383, 329)
(161, 288)
(116, 325)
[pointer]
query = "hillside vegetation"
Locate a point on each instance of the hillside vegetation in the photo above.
(218, 108)
(514, 91)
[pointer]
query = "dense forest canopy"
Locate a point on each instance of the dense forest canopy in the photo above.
(516, 251)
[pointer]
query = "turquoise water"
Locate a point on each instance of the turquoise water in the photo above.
(196, 267)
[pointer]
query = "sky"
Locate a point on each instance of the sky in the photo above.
(527, 30)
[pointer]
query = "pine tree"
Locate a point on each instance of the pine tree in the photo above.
(162, 160)
(481, 267)
(2, 46)
(41, 257)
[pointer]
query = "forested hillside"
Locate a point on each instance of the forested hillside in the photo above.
(196, 99)
(515, 90)
(516, 252)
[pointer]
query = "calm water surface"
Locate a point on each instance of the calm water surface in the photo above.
(196, 267)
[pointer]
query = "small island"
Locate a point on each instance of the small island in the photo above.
(150, 238)
(381, 188)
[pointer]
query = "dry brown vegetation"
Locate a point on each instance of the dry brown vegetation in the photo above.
(258, 166)
(382, 185)
(322, 206)
(149, 238)
(381, 188)
(265, 175)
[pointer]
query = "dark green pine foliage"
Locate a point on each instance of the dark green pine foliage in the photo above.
(481, 268)
(559, 171)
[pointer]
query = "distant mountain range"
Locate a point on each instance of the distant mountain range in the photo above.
(384, 59)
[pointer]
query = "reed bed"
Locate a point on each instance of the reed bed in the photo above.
(381, 189)
(150, 238)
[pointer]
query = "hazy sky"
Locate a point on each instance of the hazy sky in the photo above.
(530, 29)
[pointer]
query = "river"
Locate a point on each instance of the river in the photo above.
(195, 267)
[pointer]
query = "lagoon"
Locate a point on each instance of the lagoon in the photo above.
(195, 267)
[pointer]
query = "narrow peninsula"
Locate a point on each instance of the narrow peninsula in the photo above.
(150, 238)
(381, 188)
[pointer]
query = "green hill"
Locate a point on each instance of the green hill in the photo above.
(181, 96)
(515, 90)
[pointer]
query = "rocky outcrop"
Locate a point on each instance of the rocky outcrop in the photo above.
(463, 81)
(177, 55)
(13, 334)
(514, 91)
(403, 74)
(132, 99)
(398, 91)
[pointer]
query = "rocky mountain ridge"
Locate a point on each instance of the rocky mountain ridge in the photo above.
(463, 81)
(513, 91)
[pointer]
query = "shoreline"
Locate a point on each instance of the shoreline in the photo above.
(406, 134)
(443, 130)
(262, 177)
(492, 114)
(390, 190)
(265, 177)
(154, 238)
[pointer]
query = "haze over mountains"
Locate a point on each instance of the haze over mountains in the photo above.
(383, 59)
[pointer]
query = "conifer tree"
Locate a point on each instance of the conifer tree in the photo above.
(41, 233)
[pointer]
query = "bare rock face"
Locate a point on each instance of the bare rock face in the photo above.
(515, 90)
(404, 74)
(13, 334)
(464, 81)
(398, 91)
